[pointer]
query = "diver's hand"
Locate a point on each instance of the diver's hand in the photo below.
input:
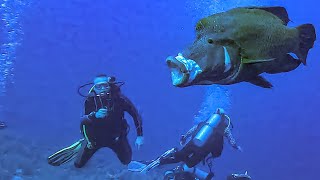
(139, 141)
(239, 148)
(182, 140)
(101, 113)
(90, 145)
(220, 111)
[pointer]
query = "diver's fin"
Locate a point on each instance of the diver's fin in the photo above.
(249, 61)
(278, 11)
(155, 163)
(65, 155)
(260, 81)
(307, 35)
(136, 166)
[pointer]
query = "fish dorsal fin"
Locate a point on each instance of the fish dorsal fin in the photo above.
(278, 11)
(250, 61)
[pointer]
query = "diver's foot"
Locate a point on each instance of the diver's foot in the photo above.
(210, 176)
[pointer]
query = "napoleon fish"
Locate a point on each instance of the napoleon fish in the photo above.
(239, 45)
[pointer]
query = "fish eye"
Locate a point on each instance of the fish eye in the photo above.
(210, 41)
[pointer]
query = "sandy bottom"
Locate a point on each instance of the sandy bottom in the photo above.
(28, 159)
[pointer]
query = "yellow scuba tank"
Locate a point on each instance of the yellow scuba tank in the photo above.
(207, 130)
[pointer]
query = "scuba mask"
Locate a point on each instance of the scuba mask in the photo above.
(104, 88)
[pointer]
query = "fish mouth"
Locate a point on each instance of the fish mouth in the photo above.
(183, 70)
(179, 73)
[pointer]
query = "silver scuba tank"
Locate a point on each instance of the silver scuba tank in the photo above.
(207, 130)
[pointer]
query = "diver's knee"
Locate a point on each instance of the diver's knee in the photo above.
(78, 165)
(190, 164)
(126, 161)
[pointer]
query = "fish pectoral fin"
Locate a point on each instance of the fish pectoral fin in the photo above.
(260, 81)
(278, 11)
(250, 61)
(286, 64)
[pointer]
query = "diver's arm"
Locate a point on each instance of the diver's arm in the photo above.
(190, 132)
(132, 110)
(89, 114)
(89, 109)
(184, 137)
(229, 136)
(84, 131)
(231, 139)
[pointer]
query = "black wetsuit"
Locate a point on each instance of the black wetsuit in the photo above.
(193, 155)
(110, 131)
(180, 176)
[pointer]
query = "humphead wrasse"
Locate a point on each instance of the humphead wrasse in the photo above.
(239, 45)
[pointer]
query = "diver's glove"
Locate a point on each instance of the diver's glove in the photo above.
(239, 148)
(139, 141)
(221, 111)
(183, 140)
(90, 145)
(101, 113)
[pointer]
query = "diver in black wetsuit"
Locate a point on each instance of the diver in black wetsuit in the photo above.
(206, 138)
(104, 125)
(201, 140)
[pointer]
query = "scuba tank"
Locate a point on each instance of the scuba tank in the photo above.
(207, 130)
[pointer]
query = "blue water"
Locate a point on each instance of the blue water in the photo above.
(63, 44)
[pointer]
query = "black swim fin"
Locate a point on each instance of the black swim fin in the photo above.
(137, 166)
(66, 154)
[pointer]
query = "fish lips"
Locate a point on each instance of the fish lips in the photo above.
(183, 70)
(179, 72)
(186, 72)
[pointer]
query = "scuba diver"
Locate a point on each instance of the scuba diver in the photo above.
(103, 125)
(201, 140)
(204, 138)
(2, 125)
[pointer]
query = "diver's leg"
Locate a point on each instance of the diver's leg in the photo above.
(194, 160)
(176, 157)
(123, 150)
(195, 156)
(84, 155)
(188, 154)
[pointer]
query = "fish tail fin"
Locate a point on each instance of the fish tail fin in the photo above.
(307, 35)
